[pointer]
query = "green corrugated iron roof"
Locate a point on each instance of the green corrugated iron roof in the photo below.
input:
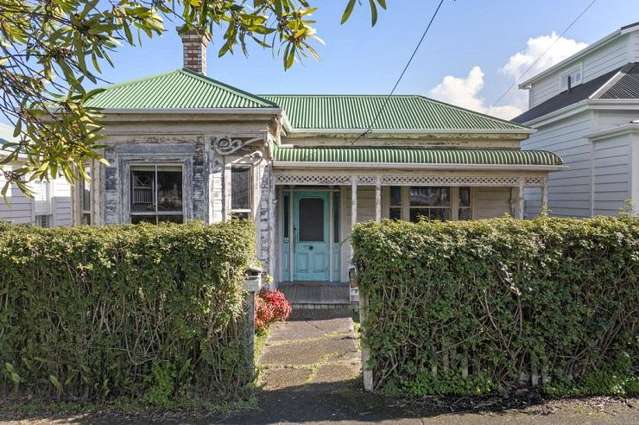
(181, 89)
(402, 112)
(408, 155)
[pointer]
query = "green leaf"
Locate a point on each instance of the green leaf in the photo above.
(373, 12)
(348, 11)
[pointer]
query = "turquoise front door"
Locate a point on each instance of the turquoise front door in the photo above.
(311, 236)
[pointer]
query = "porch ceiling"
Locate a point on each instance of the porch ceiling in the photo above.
(356, 155)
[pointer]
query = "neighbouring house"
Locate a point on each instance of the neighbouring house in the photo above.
(586, 109)
(182, 146)
(51, 202)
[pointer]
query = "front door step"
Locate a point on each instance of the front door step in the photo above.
(316, 293)
(322, 311)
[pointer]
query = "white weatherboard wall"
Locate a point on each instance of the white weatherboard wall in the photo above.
(570, 189)
(17, 208)
(56, 203)
(611, 174)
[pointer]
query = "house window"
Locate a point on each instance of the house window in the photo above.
(571, 78)
(395, 212)
(241, 192)
(156, 194)
(430, 203)
(43, 220)
(465, 209)
(85, 198)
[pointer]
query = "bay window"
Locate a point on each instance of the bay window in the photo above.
(156, 194)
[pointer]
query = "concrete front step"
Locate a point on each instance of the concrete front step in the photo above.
(321, 311)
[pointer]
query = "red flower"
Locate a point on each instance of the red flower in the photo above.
(270, 306)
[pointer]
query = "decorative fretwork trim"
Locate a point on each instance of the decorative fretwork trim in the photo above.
(227, 145)
(442, 180)
(312, 180)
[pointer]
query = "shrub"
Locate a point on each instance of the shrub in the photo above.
(484, 306)
(270, 306)
(149, 312)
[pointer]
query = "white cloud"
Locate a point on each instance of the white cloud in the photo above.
(6, 131)
(466, 91)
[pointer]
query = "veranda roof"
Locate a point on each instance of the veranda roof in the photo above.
(358, 155)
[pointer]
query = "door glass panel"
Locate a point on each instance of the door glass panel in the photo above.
(336, 211)
(311, 220)
(286, 218)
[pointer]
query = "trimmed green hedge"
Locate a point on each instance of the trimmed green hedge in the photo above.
(478, 307)
(152, 313)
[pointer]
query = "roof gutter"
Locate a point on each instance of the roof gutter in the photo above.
(621, 130)
(415, 166)
(581, 106)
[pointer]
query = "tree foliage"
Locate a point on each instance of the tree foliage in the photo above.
(144, 312)
(50, 50)
(502, 300)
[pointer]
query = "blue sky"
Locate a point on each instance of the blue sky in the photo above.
(359, 59)
(356, 58)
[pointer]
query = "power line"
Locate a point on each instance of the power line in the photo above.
(583, 12)
(401, 76)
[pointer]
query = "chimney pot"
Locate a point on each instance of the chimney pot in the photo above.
(194, 43)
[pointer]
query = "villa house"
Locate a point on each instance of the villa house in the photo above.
(182, 146)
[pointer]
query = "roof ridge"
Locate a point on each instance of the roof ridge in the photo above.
(140, 79)
(224, 85)
(337, 94)
(481, 114)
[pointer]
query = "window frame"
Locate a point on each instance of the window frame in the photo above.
(563, 77)
(43, 220)
(156, 213)
(454, 202)
(86, 216)
(242, 212)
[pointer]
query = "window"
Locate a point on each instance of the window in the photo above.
(43, 220)
(571, 78)
(156, 194)
(395, 212)
(241, 192)
(465, 210)
(429, 202)
(85, 198)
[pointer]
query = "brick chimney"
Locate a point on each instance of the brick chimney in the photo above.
(194, 43)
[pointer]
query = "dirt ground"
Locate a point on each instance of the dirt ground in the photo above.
(311, 374)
